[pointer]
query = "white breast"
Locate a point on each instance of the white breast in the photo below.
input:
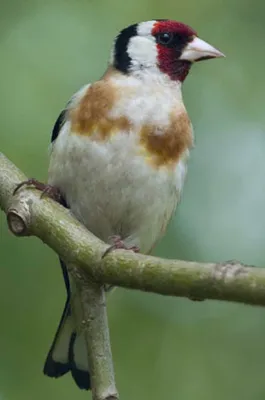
(112, 190)
(150, 101)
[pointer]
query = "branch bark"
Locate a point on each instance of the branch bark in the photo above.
(89, 298)
(55, 226)
(27, 215)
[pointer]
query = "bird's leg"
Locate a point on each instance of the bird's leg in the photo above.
(47, 190)
(118, 243)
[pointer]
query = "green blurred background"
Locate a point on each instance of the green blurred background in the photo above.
(163, 348)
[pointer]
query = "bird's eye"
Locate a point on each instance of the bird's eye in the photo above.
(164, 38)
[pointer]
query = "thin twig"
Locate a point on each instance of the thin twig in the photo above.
(90, 299)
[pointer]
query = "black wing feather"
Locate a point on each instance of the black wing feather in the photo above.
(58, 125)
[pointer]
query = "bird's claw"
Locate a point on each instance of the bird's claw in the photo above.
(47, 190)
(118, 243)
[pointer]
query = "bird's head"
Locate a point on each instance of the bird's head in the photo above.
(165, 46)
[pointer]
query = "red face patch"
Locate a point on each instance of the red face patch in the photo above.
(172, 37)
(173, 27)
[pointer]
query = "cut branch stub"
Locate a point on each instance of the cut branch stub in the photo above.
(16, 223)
(19, 216)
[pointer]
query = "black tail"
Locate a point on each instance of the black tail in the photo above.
(68, 350)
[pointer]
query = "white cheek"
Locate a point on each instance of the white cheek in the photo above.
(142, 51)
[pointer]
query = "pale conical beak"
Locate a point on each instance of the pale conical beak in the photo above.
(198, 50)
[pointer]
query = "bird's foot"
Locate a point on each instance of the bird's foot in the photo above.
(47, 190)
(118, 243)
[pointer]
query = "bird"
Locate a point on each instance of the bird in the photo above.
(119, 152)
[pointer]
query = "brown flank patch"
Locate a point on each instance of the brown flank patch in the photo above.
(167, 147)
(91, 115)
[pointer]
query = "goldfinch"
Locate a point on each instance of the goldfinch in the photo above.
(119, 154)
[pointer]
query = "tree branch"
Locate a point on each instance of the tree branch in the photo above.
(55, 226)
(27, 214)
